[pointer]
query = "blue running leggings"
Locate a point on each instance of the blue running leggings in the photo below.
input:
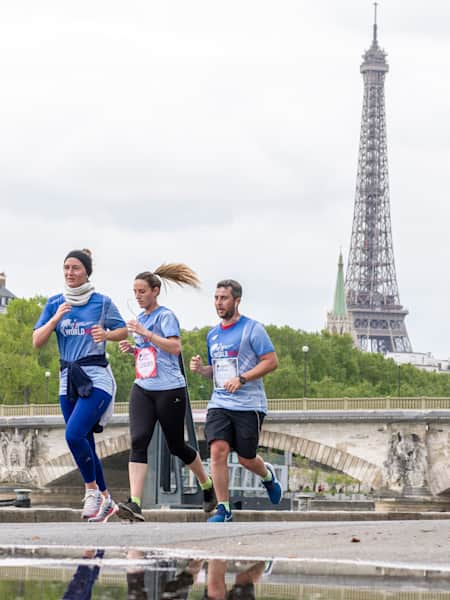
(80, 418)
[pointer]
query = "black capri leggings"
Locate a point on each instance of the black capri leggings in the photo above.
(169, 408)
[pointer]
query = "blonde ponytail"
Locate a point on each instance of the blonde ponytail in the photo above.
(178, 273)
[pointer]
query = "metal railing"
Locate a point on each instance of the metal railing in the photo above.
(274, 404)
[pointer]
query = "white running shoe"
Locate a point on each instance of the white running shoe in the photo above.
(107, 509)
(92, 502)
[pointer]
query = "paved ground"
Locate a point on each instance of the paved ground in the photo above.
(57, 515)
(422, 545)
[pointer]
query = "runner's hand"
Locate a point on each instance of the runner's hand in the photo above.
(232, 385)
(196, 364)
(136, 327)
(126, 347)
(63, 308)
(98, 334)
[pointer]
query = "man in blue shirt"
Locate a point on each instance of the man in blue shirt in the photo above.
(240, 353)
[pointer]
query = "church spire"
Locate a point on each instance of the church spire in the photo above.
(337, 318)
(340, 306)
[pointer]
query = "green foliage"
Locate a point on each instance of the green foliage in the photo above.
(54, 589)
(122, 366)
(23, 368)
(193, 343)
(334, 367)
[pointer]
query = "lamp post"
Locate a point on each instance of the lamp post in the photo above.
(305, 350)
(398, 381)
(47, 378)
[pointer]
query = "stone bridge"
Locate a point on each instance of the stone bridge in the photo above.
(403, 452)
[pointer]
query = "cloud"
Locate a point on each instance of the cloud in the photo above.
(223, 136)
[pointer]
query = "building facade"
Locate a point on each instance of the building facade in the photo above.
(421, 360)
(5, 295)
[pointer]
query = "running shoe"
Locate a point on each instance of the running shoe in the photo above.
(92, 502)
(222, 515)
(108, 508)
(273, 487)
(130, 511)
(209, 500)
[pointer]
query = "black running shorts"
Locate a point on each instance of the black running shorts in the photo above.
(240, 428)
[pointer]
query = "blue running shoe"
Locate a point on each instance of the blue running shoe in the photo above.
(222, 515)
(273, 487)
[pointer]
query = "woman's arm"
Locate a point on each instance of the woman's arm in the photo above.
(108, 335)
(43, 333)
(171, 345)
(126, 347)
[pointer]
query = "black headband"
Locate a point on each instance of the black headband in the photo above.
(84, 259)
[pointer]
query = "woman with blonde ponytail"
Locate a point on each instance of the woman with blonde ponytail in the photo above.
(159, 390)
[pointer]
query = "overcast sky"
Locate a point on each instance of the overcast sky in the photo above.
(225, 136)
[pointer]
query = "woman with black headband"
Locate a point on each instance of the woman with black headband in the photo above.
(159, 390)
(84, 321)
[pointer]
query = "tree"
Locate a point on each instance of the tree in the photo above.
(23, 367)
(335, 367)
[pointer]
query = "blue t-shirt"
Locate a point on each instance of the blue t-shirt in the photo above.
(232, 351)
(73, 334)
(167, 373)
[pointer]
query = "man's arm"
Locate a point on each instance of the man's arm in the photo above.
(267, 363)
(196, 366)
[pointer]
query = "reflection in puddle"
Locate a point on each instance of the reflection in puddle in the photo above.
(70, 574)
(210, 577)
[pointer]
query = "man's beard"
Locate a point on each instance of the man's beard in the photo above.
(229, 314)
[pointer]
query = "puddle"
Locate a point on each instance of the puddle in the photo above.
(110, 574)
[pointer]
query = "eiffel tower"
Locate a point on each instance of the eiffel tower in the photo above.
(373, 302)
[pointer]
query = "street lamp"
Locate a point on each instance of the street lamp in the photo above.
(47, 378)
(305, 350)
(398, 381)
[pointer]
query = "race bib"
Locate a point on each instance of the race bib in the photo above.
(223, 370)
(145, 362)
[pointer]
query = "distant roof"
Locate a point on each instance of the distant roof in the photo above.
(5, 293)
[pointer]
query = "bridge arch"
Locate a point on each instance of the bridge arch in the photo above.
(62, 465)
(119, 441)
(358, 468)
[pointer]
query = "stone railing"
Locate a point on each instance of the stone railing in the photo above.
(40, 410)
(275, 404)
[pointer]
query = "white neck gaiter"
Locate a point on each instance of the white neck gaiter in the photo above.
(80, 295)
